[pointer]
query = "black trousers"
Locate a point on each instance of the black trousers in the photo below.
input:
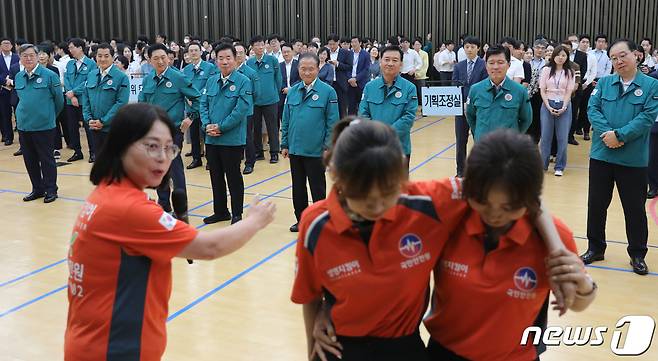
(583, 119)
(653, 159)
(535, 127)
(420, 83)
(407, 348)
(436, 352)
(61, 130)
(250, 148)
(73, 118)
(342, 100)
(269, 113)
(461, 138)
(445, 76)
(6, 126)
(224, 161)
(353, 100)
(575, 111)
(39, 161)
(196, 138)
(99, 140)
(303, 169)
(176, 173)
(632, 188)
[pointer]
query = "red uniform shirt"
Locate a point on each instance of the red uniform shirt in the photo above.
(120, 275)
(481, 304)
(379, 288)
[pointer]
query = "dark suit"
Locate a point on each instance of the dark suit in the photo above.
(362, 77)
(294, 79)
(343, 72)
(460, 76)
(578, 103)
(6, 127)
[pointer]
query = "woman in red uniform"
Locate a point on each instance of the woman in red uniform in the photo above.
(368, 249)
(122, 244)
(492, 278)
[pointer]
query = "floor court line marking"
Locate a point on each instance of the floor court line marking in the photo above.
(189, 211)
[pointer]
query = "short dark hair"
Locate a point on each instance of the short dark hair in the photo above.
(131, 123)
(345, 39)
(417, 39)
(256, 39)
(194, 43)
(7, 38)
(105, 46)
(293, 41)
(225, 46)
(286, 45)
(472, 40)
(65, 47)
(505, 158)
(46, 48)
(123, 60)
(309, 56)
(78, 43)
(511, 41)
(631, 44)
(161, 35)
(393, 48)
(498, 49)
(601, 36)
(154, 47)
(584, 36)
(21, 41)
(333, 37)
(403, 40)
(358, 38)
(274, 36)
(366, 154)
(324, 49)
(143, 38)
(312, 45)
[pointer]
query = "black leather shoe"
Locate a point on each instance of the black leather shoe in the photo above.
(248, 169)
(76, 156)
(639, 266)
(216, 218)
(590, 256)
(260, 157)
(579, 132)
(274, 159)
(195, 164)
(236, 219)
(18, 152)
(188, 154)
(92, 158)
(8, 142)
(50, 198)
(573, 142)
(32, 196)
(652, 193)
(586, 137)
(294, 228)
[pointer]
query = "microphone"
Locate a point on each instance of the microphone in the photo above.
(179, 201)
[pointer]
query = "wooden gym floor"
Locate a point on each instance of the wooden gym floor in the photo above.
(238, 307)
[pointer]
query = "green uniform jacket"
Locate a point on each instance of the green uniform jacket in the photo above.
(199, 78)
(250, 73)
(308, 119)
(269, 80)
(630, 113)
(103, 98)
(170, 93)
(41, 99)
(74, 78)
(509, 109)
(395, 107)
(227, 104)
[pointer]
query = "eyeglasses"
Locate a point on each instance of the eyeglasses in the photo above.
(154, 150)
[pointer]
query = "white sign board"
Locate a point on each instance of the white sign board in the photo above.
(135, 87)
(442, 101)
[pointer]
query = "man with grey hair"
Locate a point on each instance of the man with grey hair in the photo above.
(537, 63)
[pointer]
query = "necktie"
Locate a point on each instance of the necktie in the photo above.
(469, 71)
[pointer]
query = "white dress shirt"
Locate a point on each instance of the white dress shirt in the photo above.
(355, 62)
(603, 63)
(7, 58)
(288, 71)
(446, 61)
(591, 69)
(461, 54)
(333, 55)
(515, 69)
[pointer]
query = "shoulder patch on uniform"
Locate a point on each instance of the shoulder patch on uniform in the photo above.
(414, 97)
(167, 221)
(314, 230)
(336, 101)
(422, 204)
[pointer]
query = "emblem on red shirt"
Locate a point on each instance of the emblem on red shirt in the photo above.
(410, 245)
(525, 279)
